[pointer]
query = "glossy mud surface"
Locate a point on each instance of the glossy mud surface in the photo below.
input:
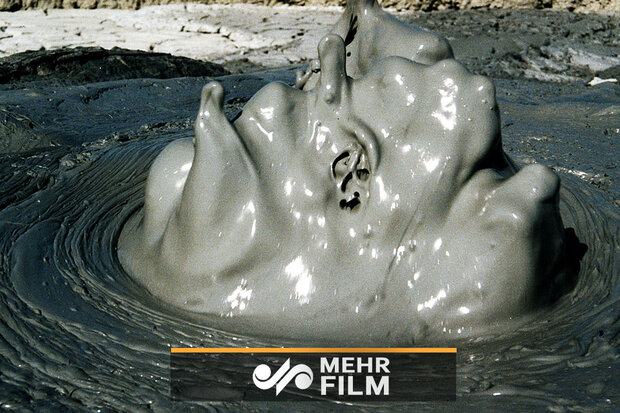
(76, 332)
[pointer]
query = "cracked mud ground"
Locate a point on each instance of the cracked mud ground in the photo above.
(533, 44)
(98, 74)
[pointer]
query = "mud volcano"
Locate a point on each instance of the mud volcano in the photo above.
(378, 194)
(79, 332)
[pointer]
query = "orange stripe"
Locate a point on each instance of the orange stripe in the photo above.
(315, 350)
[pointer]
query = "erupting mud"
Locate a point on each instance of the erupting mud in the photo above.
(374, 198)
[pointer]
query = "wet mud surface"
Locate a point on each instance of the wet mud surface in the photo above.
(73, 115)
(78, 334)
(73, 66)
(550, 45)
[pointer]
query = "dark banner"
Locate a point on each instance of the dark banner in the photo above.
(346, 374)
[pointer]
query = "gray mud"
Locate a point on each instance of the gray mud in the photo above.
(77, 334)
(79, 65)
(586, 119)
(73, 115)
(548, 45)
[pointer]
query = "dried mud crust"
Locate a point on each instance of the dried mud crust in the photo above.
(425, 5)
(545, 45)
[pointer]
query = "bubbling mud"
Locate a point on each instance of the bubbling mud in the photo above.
(78, 332)
(76, 327)
(370, 199)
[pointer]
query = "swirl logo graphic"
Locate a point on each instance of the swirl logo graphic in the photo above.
(264, 380)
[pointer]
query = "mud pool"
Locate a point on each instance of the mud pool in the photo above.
(77, 333)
